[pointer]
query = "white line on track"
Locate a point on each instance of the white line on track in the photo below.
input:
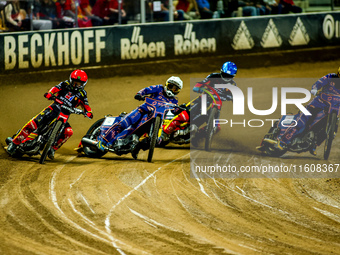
(107, 220)
(53, 197)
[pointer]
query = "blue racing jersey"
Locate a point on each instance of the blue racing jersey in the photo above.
(157, 92)
(329, 83)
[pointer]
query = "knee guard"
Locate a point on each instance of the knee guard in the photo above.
(184, 116)
(68, 132)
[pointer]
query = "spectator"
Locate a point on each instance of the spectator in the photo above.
(189, 8)
(204, 9)
(228, 8)
(275, 7)
(15, 18)
(108, 11)
(39, 24)
(163, 13)
(65, 8)
(248, 8)
(262, 8)
(289, 6)
(92, 3)
(48, 11)
(85, 10)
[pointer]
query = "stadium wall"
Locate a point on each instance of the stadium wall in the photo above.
(164, 47)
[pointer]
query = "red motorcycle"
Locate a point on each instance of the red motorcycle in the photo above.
(41, 141)
(185, 133)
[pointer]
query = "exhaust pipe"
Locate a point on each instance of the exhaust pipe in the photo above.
(90, 143)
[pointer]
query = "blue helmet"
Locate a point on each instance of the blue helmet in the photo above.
(228, 70)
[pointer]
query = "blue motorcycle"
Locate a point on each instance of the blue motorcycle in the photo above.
(144, 135)
(323, 128)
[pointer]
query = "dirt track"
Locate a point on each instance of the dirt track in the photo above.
(116, 205)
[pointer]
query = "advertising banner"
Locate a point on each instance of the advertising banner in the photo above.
(104, 46)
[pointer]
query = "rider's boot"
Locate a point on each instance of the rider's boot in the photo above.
(50, 153)
(194, 135)
(11, 148)
(193, 129)
(163, 138)
(135, 152)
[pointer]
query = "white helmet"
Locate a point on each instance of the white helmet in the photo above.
(173, 86)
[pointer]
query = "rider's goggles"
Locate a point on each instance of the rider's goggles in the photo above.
(226, 76)
(78, 84)
(173, 88)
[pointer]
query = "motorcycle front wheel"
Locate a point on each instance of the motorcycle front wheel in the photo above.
(50, 142)
(154, 137)
(210, 129)
(330, 132)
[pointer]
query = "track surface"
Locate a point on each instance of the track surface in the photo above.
(117, 205)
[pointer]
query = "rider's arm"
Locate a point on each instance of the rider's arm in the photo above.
(150, 90)
(84, 103)
(200, 85)
(317, 86)
(53, 91)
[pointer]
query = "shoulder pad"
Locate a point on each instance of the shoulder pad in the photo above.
(214, 75)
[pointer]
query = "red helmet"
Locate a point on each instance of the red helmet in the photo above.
(78, 79)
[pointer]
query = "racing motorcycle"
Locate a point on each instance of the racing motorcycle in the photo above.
(144, 137)
(181, 134)
(213, 111)
(184, 133)
(323, 128)
(41, 140)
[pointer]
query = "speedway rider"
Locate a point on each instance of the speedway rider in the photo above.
(225, 76)
(330, 84)
(72, 90)
(165, 93)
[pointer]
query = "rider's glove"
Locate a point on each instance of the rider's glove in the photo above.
(183, 106)
(197, 89)
(89, 115)
(314, 92)
(139, 97)
(48, 95)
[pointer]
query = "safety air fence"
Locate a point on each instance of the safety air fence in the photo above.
(112, 45)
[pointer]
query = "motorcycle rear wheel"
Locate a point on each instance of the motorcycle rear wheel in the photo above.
(154, 137)
(50, 142)
(90, 134)
(330, 132)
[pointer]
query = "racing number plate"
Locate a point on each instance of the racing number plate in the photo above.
(109, 121)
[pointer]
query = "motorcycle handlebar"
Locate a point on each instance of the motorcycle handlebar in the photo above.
(74, 110)
(165, 103)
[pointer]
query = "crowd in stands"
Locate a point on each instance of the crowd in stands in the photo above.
(49, 14)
